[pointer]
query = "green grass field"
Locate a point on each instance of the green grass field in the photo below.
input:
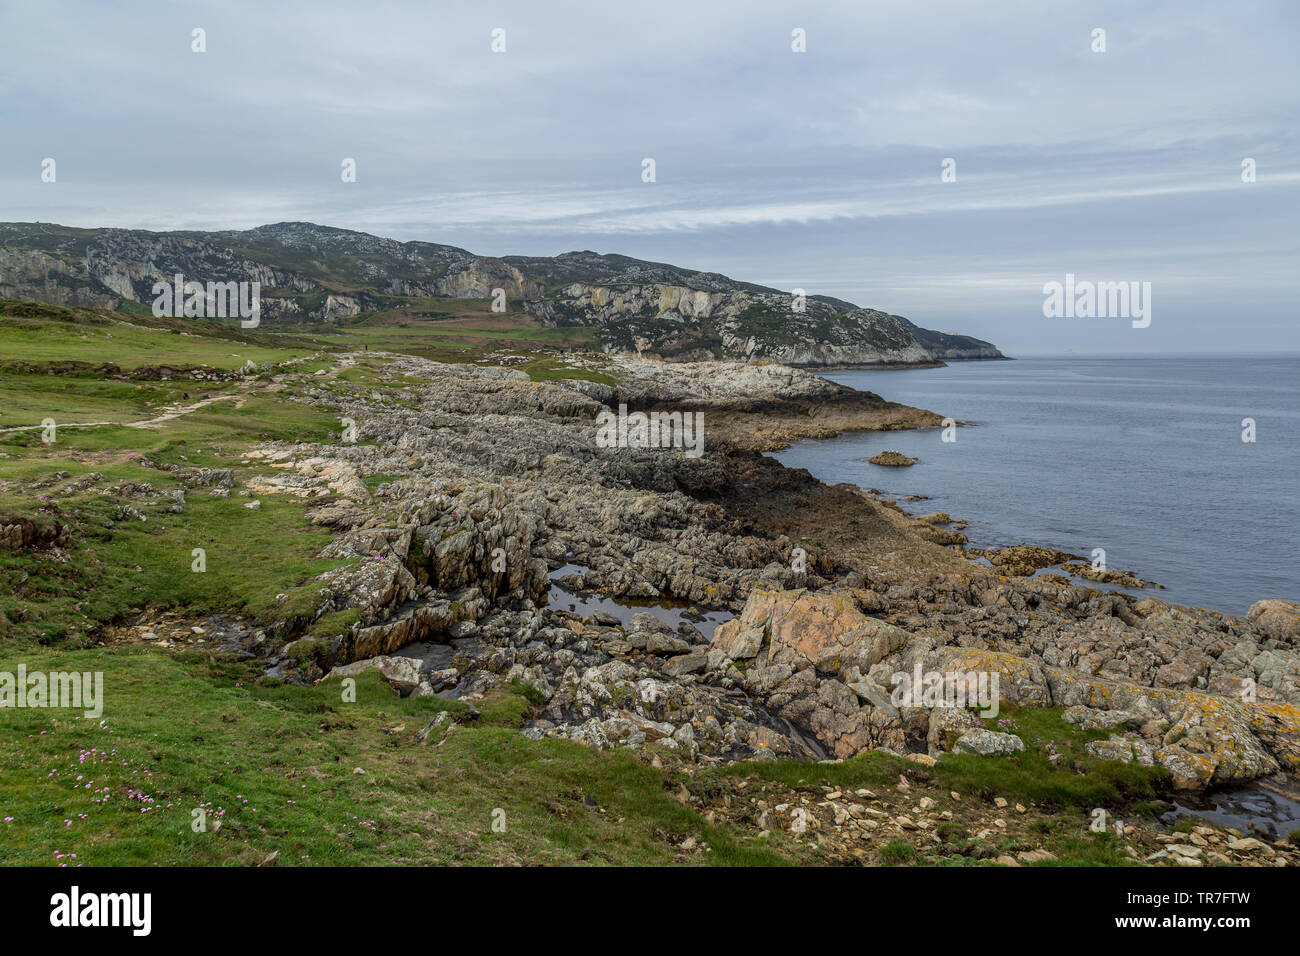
(41, 334)
(318, 780)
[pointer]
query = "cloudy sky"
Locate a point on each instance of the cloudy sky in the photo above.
(819, 169)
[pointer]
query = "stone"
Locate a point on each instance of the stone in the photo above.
(686, 664)
(402, 673)
(892, 459)
(1279, 618)
(1035, 856)
(988, 743)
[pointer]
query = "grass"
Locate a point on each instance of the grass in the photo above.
(1087, 849)
(898, 853)
(250, 558)
(115, 563)
(1075, 779)
(871, 769)
(31, 333)
(28, 399)
(176, 735)
(550, 369)
(467, 330)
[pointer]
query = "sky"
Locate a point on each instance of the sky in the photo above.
(819, 169)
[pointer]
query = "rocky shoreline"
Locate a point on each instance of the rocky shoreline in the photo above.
(491, 481)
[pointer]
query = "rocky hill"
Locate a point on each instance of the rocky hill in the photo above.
(313, 274)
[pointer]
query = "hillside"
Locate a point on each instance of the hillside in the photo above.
(311, 275)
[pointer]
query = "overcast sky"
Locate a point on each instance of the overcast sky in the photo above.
(819, 170)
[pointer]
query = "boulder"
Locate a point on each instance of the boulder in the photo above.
(824, 629)
(403, 673)
(988, 743)
(1279, 618)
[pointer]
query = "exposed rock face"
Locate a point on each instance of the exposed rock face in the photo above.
(18, 533)
(1024, 559)
(801, 647)
(401, 672)
(43, 277)
(1107, 575)
(799, 629)
(310, 272)
(339, 307)
(763, 407)
(715, 317)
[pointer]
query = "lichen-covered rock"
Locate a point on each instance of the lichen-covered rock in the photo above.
(1122, 749)
(988, 743)
(1089, 718)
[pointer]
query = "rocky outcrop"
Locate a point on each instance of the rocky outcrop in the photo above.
(1024, 559)
(42, 276)
(339, 307)
(987, 743)
(19, 533)
(892, 459)
(722, 319)
(801, 650)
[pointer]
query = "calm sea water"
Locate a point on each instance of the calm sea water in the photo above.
(1140, 456)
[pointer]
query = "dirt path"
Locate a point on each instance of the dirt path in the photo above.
(346, 361)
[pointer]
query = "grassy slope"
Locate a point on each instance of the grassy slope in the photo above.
(321, 780)
(41, 333)
(277, 766)
(123, 562)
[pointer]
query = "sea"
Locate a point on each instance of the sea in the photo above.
(1182, 470)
